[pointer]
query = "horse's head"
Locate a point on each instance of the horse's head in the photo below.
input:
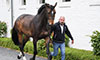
(51, 13)
(50, 10)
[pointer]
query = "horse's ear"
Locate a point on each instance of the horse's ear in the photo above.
(46, 4)
(40, 9)
(55, 5)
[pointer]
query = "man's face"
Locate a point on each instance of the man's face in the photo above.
(62, 20)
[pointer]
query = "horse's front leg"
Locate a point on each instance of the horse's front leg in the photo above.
(35, 49)
(47, 46)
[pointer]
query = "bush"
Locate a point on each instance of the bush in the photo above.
(41, 45)
(66, 40)
(3, 28)
(71, 53)
(95, 39)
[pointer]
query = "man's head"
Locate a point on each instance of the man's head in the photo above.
(62, 20)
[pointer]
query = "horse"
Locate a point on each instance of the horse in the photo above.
(35, 26)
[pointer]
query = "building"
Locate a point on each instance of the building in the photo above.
(82, 16)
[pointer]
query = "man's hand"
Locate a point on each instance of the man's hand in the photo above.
(72, 41)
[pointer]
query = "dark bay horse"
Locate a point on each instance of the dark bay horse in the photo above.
(37, 27)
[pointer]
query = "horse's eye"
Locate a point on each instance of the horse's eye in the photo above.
(54, 12)
(49, 12)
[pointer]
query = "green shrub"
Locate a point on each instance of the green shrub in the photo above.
(95, 39)
(66, 40)
(3, 28)
(41, 45)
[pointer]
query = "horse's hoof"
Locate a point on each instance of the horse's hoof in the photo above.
(31, 58)
(49, 57)
(19, 57)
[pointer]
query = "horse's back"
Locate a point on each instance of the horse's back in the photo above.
(23, 23)
(24, 19)
(25, 16)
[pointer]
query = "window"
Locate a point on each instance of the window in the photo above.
(22, 5)
(66, 0)
(42, 1)
(23, 2)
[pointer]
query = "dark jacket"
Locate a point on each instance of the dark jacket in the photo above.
(58, 36)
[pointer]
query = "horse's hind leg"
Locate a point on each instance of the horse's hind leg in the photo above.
(21, 46)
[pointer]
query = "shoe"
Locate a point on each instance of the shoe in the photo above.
(50, 57)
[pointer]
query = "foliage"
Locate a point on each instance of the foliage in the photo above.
(66, 40)
(41, 45)
(71, 53)
(95, 39)
(3, 28)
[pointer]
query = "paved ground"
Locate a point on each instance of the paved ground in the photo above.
(8, 54)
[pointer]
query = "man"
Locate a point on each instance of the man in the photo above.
(60, 29)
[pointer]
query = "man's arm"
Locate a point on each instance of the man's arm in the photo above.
(52, 31)
(69, 34)
(53, 27)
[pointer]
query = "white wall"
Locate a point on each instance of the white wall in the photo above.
(83, 20)
(81, 16)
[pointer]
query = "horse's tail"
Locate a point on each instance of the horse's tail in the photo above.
(15, 36)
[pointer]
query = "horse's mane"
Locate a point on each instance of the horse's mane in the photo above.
(42, 7)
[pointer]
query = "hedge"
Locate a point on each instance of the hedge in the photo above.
(71, 53)
(95, 40)
(3, 29)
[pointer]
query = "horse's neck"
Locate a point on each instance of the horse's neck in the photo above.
(43, 18)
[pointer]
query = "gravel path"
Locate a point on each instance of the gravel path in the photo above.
(8, 54)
